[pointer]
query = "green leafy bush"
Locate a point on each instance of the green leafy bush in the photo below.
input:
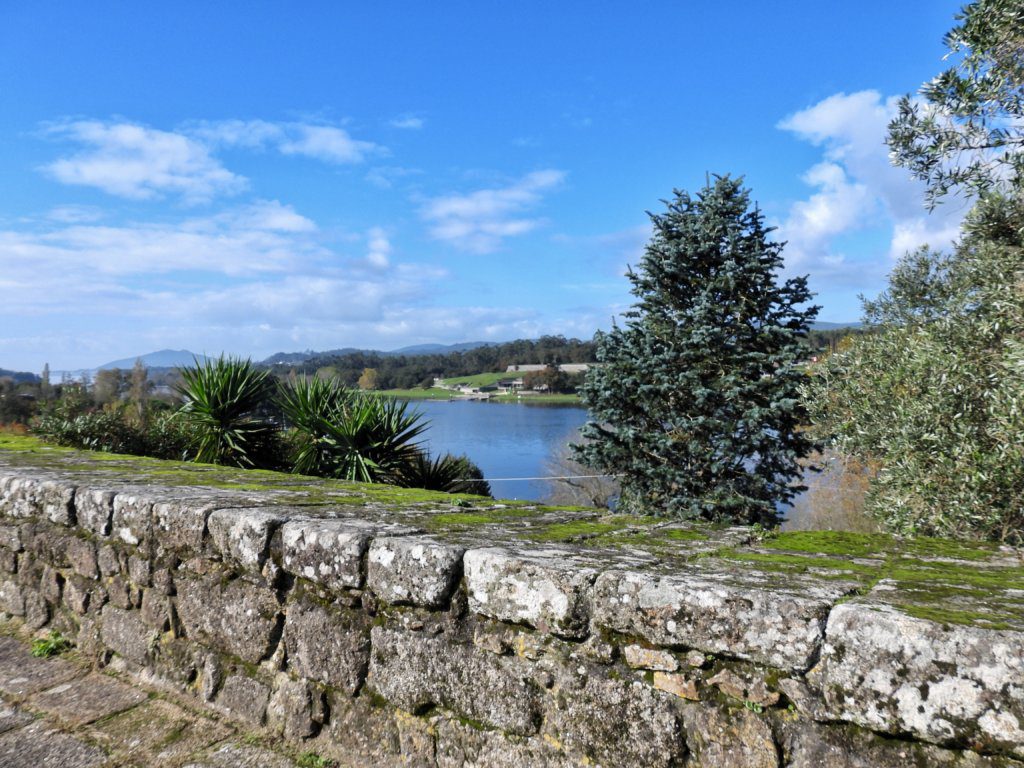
(935, 395)
(448, 473)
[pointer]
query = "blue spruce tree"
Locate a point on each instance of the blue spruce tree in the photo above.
(695, 402)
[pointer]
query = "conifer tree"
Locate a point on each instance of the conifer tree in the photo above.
(695, 402)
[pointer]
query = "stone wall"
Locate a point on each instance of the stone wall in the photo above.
(379, 628)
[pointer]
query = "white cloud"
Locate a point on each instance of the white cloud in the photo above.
(407, 122)
(856, 189)
(134, 161)
(379, 249)
(74, 214)
(138, 162)
(479, 221)
(327, 143)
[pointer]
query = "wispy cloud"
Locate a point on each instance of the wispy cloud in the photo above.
(479, 221)
(856, 189)
(139, 162)
(407, 122)
(135, 161)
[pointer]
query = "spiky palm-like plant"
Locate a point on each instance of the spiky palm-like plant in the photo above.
(224, 400)
(447, 473)
(348, 434)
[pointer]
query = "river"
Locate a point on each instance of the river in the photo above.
(506, 440)
(511, 440)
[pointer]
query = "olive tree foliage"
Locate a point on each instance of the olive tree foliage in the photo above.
(695, 404)
(964, 132)
(935, 396)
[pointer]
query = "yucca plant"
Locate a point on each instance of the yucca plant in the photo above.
(225, 404)
(347, 434)
(447, 473)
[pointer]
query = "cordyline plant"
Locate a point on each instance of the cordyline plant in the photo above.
(225, 405)
(347, 434)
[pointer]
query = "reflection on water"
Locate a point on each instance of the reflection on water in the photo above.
(510, 440)
(506, 440)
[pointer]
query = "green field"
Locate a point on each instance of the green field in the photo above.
(479, 379)
(418, 393)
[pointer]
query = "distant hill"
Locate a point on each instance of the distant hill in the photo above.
(20, 377)
(821, 325)
(441, 349)
(294, 358)
(165, 358)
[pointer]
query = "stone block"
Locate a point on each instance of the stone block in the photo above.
(414, 671)
(10, 538)
(244, 698)
(296, 709)
(616, 722)
(718, 613)
(735, 738)
(326, 552)
(180, 525)
(40, 744)
(109, 561)
(94, 508)
(51, 584)
(140, 570)
(639, 657)
(241, 756)
(156, 609)
(943, 682)
(327, 645)
(88, 699)
(42, 496)
(236, 616)
(21, 674)
(415, 571)
(462, 746)
(132, 518)
(81, 553)
(548, 589)
(125, 633)
(242, 536)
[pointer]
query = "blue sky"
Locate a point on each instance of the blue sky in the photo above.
(261, 177)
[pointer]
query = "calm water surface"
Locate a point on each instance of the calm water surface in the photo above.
(516, 440)
(504, 439)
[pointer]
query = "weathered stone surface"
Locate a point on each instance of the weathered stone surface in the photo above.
(94, 508)
(58, 502)
(180, 525)
(155, 610)
(156, 733)
(50, 584)
(752, 688)
(806, 744)
(39, 744)
(327, 645)
(730, 738)
(238, 617)
(639, 657)
(461, 746)
(548, 589)
(779, 627)
(891, 672)
(241, 756)
(90, 698)
(244, 698)
(680, 685)
(296, 709)
(125, 633)
(242, 536)
(418, 571)
(81, 553)
(42, 496)
(615, 722)
(21, 674)
(327, 552)
(11, 717)
(132, 519)
(414, 671)
(360, 733)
